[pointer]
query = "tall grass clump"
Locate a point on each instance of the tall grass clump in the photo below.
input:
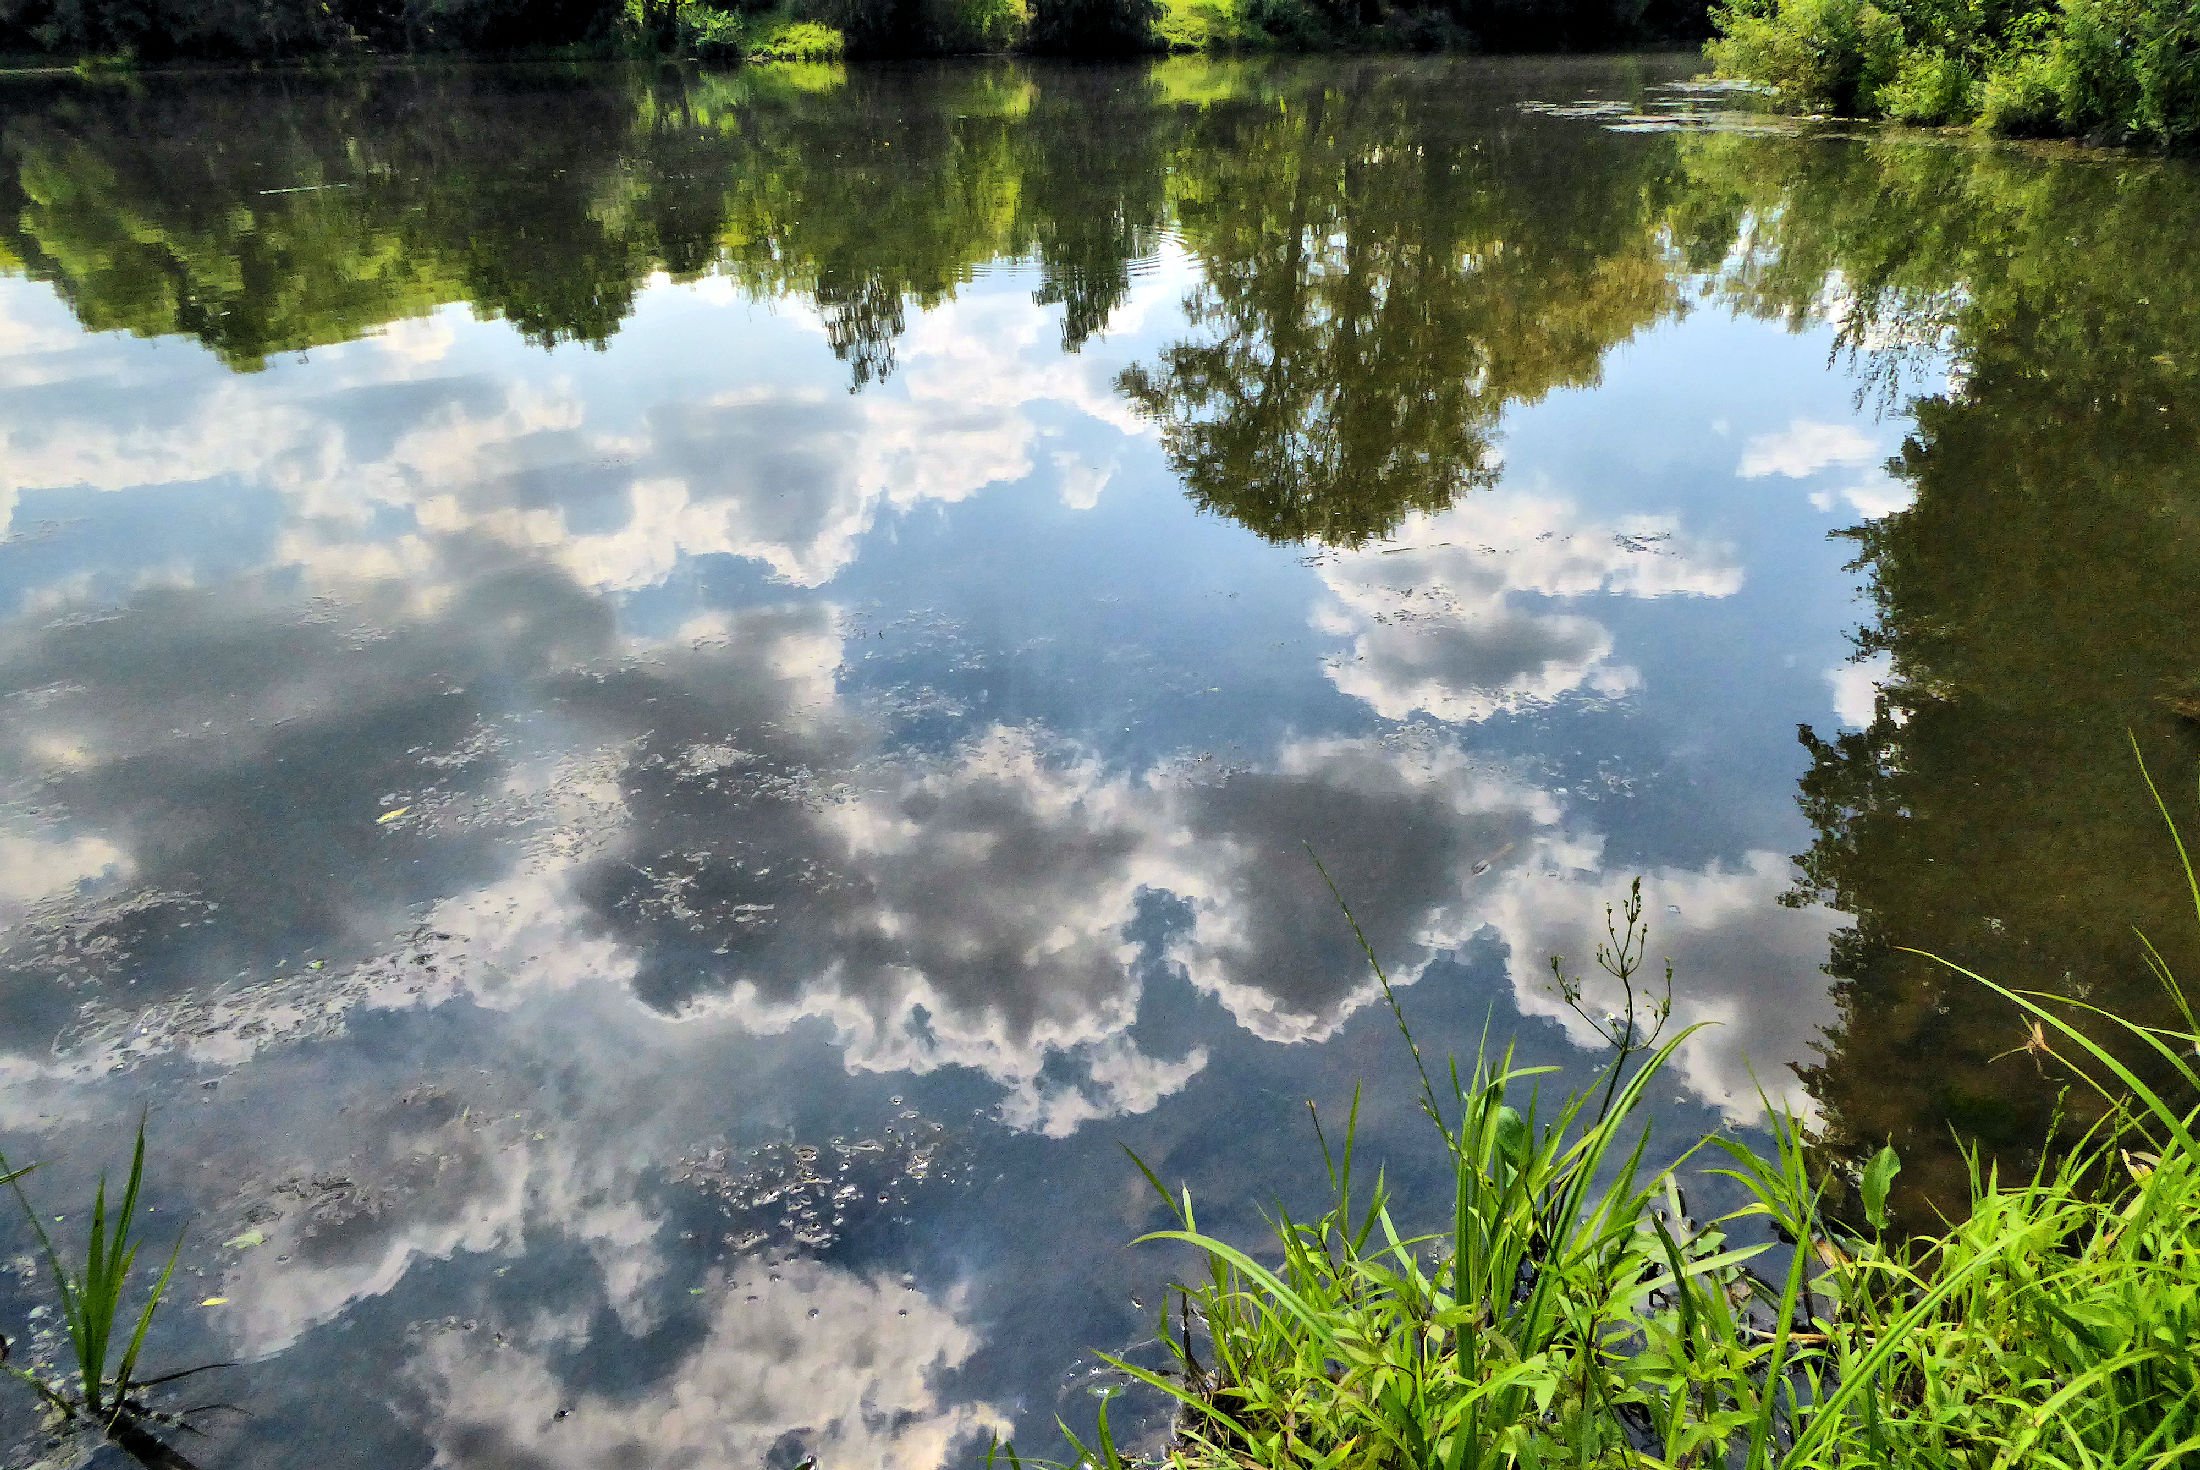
(1563, 1309)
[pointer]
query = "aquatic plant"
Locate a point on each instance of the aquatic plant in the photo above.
(1569, 1311)
(104, 1341)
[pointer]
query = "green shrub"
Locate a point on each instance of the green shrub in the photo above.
(2092, 68)
(2129, 69)
(1815, 55)
(2168, 59)
(711, 34)
(788, 40)
(2110, 70)
(1094, 27)
(2019, 99)
(1931, 88)
(1201, 25)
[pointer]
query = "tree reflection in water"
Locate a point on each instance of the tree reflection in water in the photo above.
(1383, 263)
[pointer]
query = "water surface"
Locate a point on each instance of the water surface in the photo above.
(655, 712)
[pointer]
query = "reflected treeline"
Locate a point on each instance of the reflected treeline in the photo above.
(269, 215)
(1377, 281)
(1379, 284)
(2031, 605)
(265, 216)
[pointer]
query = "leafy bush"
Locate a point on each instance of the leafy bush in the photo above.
(780, 35)
(2020, 98)
(1094, 27)
(2111, 70)
(1202, 25)
(711, 34)
(786, 40)
(1816, 55)
(1931, 88)
(2129, 69)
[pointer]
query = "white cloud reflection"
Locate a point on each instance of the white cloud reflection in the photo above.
(1457, 618)
(396, 445)
(842, 1366)
(1805, 447)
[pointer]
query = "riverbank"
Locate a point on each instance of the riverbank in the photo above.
(1569, 1307)
(111, 34)
(1571, 1310)
(2107, 71)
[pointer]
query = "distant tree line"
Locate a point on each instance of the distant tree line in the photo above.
(159, 29)
(793, 30)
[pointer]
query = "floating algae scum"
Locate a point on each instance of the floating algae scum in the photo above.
(1573, 1314)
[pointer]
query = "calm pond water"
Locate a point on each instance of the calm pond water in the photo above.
(654, 713)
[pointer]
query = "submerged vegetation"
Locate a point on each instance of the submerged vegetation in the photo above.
(2115, 71)
(1568, 1309)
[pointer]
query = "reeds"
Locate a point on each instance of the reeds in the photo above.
(105, 1341)
(1569, 1313)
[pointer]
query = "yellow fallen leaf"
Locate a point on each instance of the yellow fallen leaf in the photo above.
(215, 1301)
(391, 816)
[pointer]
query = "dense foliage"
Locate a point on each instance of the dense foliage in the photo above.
(778, 30)
(2111, 70)
(156, 29)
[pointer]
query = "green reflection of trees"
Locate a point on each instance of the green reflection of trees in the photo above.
(1379, 284)
(1352, 231)
(2035, 602)
(1388, 256)
(264, 216)
(1092, 190)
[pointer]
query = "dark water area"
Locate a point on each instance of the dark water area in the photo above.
(654, 713)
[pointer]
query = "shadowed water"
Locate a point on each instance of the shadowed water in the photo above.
(655, 712)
